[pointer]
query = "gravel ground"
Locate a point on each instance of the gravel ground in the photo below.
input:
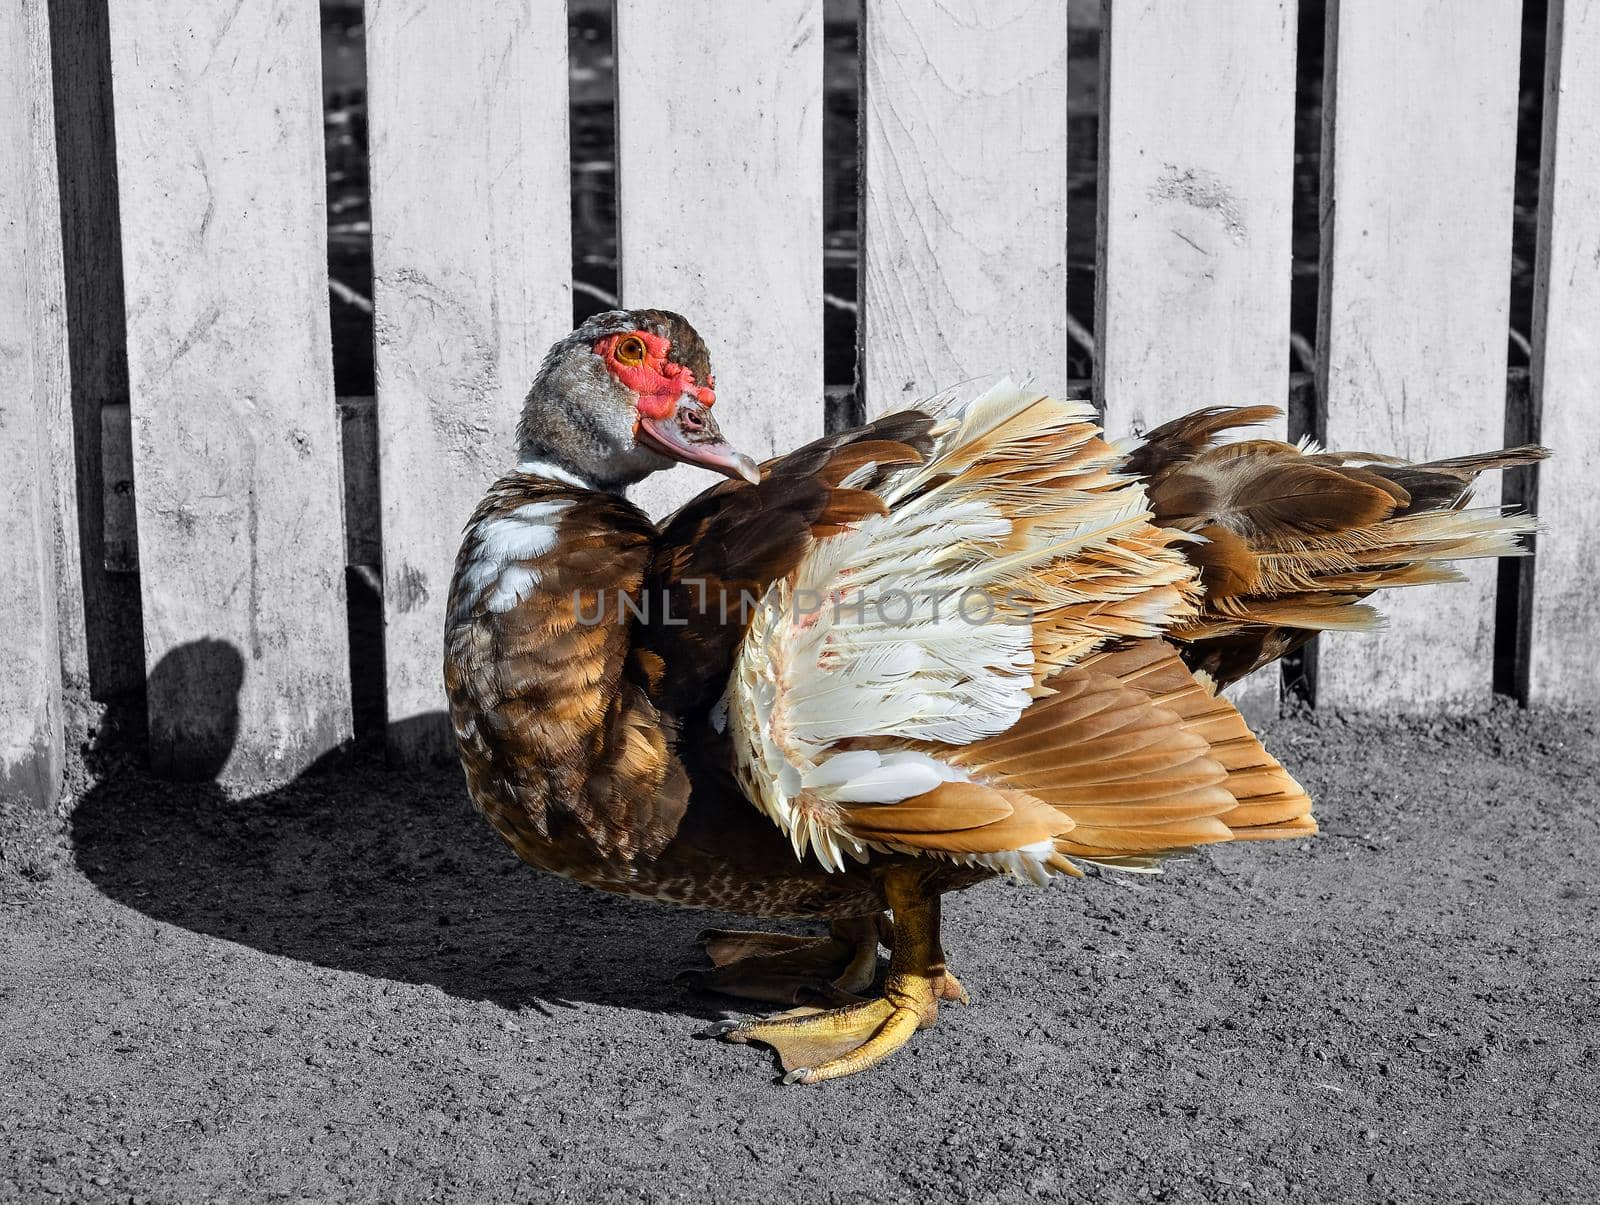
(349, 990)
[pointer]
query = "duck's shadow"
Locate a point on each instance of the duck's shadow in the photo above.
(383, 872)
(365, 869)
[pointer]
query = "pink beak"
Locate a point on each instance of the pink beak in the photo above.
(690, 435)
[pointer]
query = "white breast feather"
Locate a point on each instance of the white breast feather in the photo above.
(496, 573)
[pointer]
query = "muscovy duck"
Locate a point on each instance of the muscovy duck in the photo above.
(970, 640)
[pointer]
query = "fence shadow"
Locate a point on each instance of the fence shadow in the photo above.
(391, 874)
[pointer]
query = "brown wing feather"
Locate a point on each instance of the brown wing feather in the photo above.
(959, 818)
(1264, 793)
(1142, 758)
(1291, 543)
(1174, 443)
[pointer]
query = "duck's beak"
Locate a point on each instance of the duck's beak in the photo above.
(691, 435)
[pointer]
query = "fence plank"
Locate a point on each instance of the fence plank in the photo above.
(472, 269)
(31, 744)
(719, 153)
(964, 195)
(219, 159)
(1419, 148)
(1196, 184)
(52, 372)
(1564, 663)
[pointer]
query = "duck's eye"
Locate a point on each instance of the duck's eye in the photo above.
(629, 352)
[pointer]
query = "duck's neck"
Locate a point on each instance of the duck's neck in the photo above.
(549, 458)
(534, 465)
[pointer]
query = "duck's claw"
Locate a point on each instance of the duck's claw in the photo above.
(722, 1028)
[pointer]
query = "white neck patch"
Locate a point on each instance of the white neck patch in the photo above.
(553, 472)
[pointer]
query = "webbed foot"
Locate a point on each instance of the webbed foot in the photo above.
(821, 1044)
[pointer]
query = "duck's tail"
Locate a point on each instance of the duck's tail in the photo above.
(1291, 540)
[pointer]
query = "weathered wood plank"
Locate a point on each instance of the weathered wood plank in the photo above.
(31, 738)
(52, 373)
(719, 159)
(1196, 180)
(964, 196)
(219, 160)
(1564, 657)
(471, 282)
(1419, 148)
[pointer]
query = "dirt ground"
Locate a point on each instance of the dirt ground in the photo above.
(348, 990)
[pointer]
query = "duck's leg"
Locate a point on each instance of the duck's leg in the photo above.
(950, 989)
(778, 968)
(818, 1045)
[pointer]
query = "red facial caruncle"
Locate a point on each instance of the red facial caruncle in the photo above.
(672, 409)
(639, 360)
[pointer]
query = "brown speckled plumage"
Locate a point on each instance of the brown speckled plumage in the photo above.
(587, 745)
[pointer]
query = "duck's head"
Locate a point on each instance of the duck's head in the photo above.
(621, 397)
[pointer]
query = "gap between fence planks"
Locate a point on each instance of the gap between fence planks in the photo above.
(471, 270)
(1419, 145)
(1564, 665)
(1196, 191)
(33, 396)
(110, 650)
(220, 167)
(964, 196)
(719, 164)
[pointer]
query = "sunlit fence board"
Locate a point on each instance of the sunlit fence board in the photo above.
(472, 269)
(220, 166)
(30, 659)
(1419, 146)
(719, 160)
(964, 195)
(52, 372)
(1564, 665)
(1196, 179)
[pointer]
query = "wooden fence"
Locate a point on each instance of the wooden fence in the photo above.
(190, 203)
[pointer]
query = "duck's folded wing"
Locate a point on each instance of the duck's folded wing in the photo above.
(1128, 759)
(716, 556)
(1014, 552)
